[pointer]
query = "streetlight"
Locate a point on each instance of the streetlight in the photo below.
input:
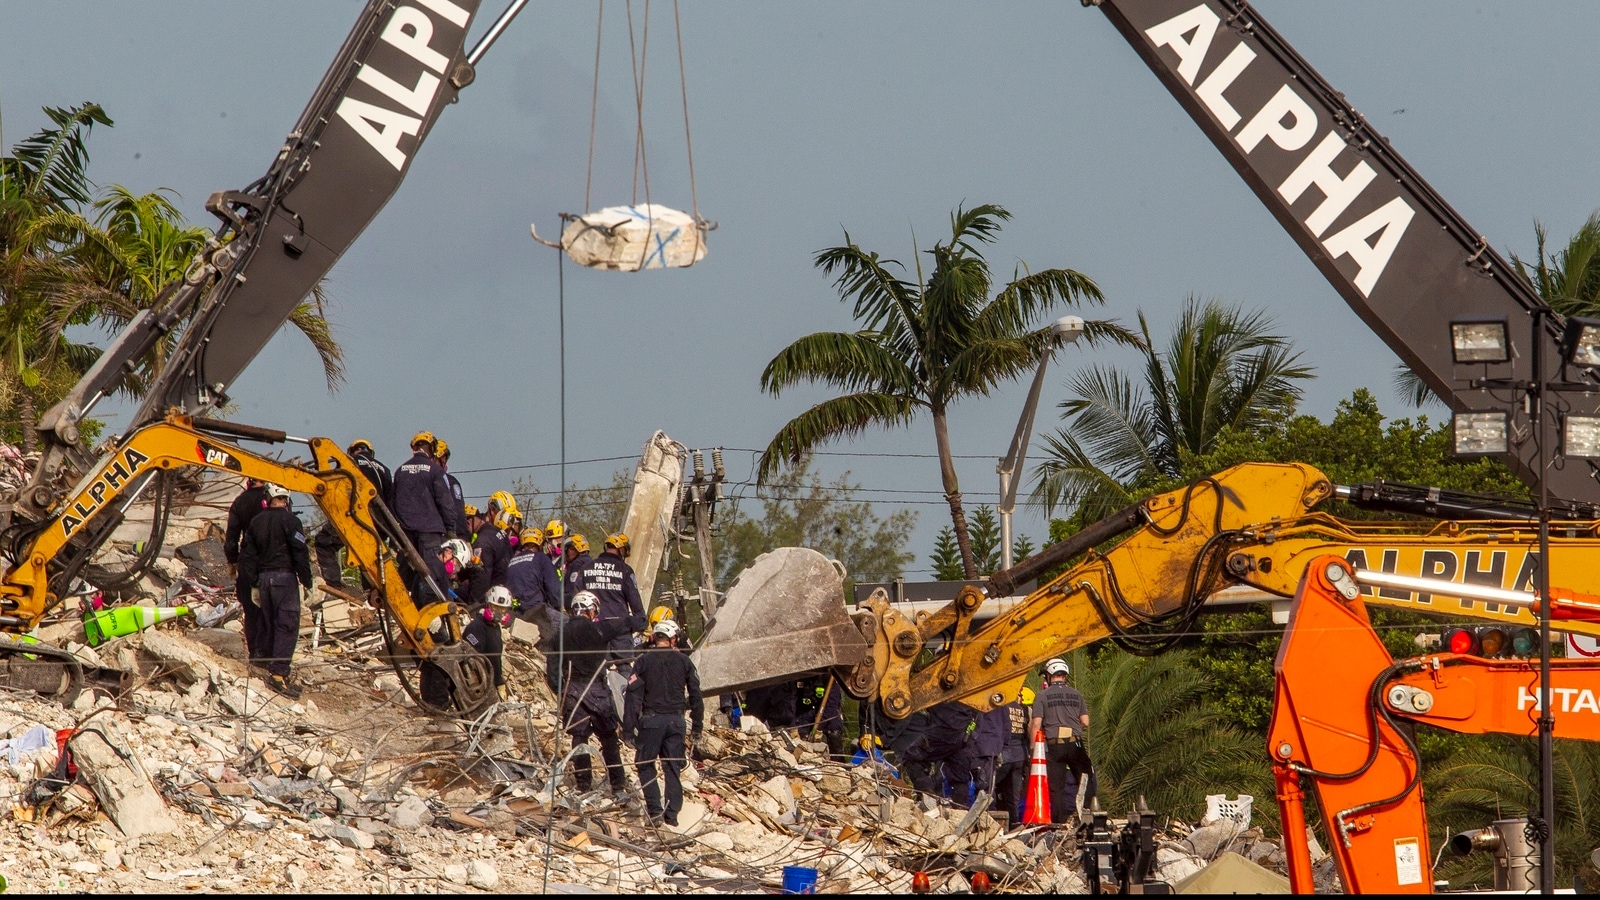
(1487, 341)
(1067, 329)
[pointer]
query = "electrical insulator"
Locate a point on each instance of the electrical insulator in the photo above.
(699, 466)
(716, 463)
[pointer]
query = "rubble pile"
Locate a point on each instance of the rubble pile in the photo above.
(193, 776)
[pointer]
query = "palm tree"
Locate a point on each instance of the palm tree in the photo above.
(923, 345)
(139, 244)
(43, 177)
(1222, 369)
(1153, 734)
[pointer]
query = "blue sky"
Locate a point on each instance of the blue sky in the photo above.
(808, 119)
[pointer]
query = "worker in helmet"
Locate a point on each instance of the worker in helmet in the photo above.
(366, 460)
(1062, 714)
(1011, 776)
(532, 580)
(426, 509)
(272, 556)
(555, 539)
(458, 522)
(587, 707)
(818, 711)
(665, 614)
(664, 685)
(245, 507)
(491, 546)
(576, 557)
(461, 568)
(611, 580)
(483, 632)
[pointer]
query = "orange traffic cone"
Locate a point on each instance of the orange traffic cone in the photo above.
(1037, 810)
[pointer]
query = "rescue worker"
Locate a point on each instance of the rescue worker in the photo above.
(483, 632)
(664, 684)
(577, 559)
(426, 509)
(983, 751)
(491, 552)
(272, 555)
(662, 614)
(941, 753)
(458, 520)
(1063, 715)
(587, 708)
(245, 507)
(532, 581)
(1011, 778)
(366, 459)
(773, 704)
(818, 710)
(475, 520)
(328, 543)
(456, 557)
(611, 580)
(555, 538)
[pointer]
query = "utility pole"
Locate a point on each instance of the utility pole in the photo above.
(697, 511)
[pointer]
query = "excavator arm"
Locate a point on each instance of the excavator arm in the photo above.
(1341, 718)
(46, 563)
(1141, 577)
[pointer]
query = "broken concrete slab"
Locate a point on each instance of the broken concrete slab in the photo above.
(121, 785)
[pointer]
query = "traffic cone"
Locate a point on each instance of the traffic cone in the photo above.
(1037, 810)
(123, 620)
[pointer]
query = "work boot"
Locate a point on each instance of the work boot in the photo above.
(284, 686)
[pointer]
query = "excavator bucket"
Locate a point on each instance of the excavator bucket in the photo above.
(782, 617)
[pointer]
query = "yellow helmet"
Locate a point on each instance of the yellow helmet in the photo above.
(617, 540)
(660, 613)
(422, 437)
(359, 443)
(579, 543)
(555, 529)
(530, 537)
(441, 449)
(1026, 698)
(470, 510)
(504, 501)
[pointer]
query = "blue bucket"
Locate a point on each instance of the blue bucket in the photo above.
(799, 880)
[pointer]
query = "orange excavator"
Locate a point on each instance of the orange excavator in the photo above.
(1343, 714)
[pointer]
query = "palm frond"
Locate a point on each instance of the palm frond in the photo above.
(310, 319)
(840, 417)
(1410, 385)
(1110, 418)
(53, 161)
(1025, 299)
(855, 362)
(879, 295)
(1067, 479)
(980, 224)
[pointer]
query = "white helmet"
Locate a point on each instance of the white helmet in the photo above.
(499, 597)
(584, 601)
(459, 549)
(275, 491)
(1057, 666)
(665, 628)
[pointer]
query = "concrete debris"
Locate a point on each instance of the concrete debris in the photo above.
(193, 776)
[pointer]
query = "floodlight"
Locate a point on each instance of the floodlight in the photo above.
(1480, 340)
(1481, 433)
(1580, 437)
(1580, 343)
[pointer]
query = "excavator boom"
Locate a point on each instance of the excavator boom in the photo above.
(47, 564)
(1341, 717)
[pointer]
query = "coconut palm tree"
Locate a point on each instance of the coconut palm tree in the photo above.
(44, 176)
(1222, 369)
(923, 345)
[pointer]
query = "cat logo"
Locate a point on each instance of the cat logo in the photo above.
(216, 456)
(114, 477)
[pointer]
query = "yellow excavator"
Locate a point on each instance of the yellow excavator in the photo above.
(1142, 577)
(402, 64)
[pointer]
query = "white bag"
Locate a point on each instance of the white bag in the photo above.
(632, 238)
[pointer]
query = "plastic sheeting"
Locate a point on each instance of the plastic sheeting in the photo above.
(633, 238)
